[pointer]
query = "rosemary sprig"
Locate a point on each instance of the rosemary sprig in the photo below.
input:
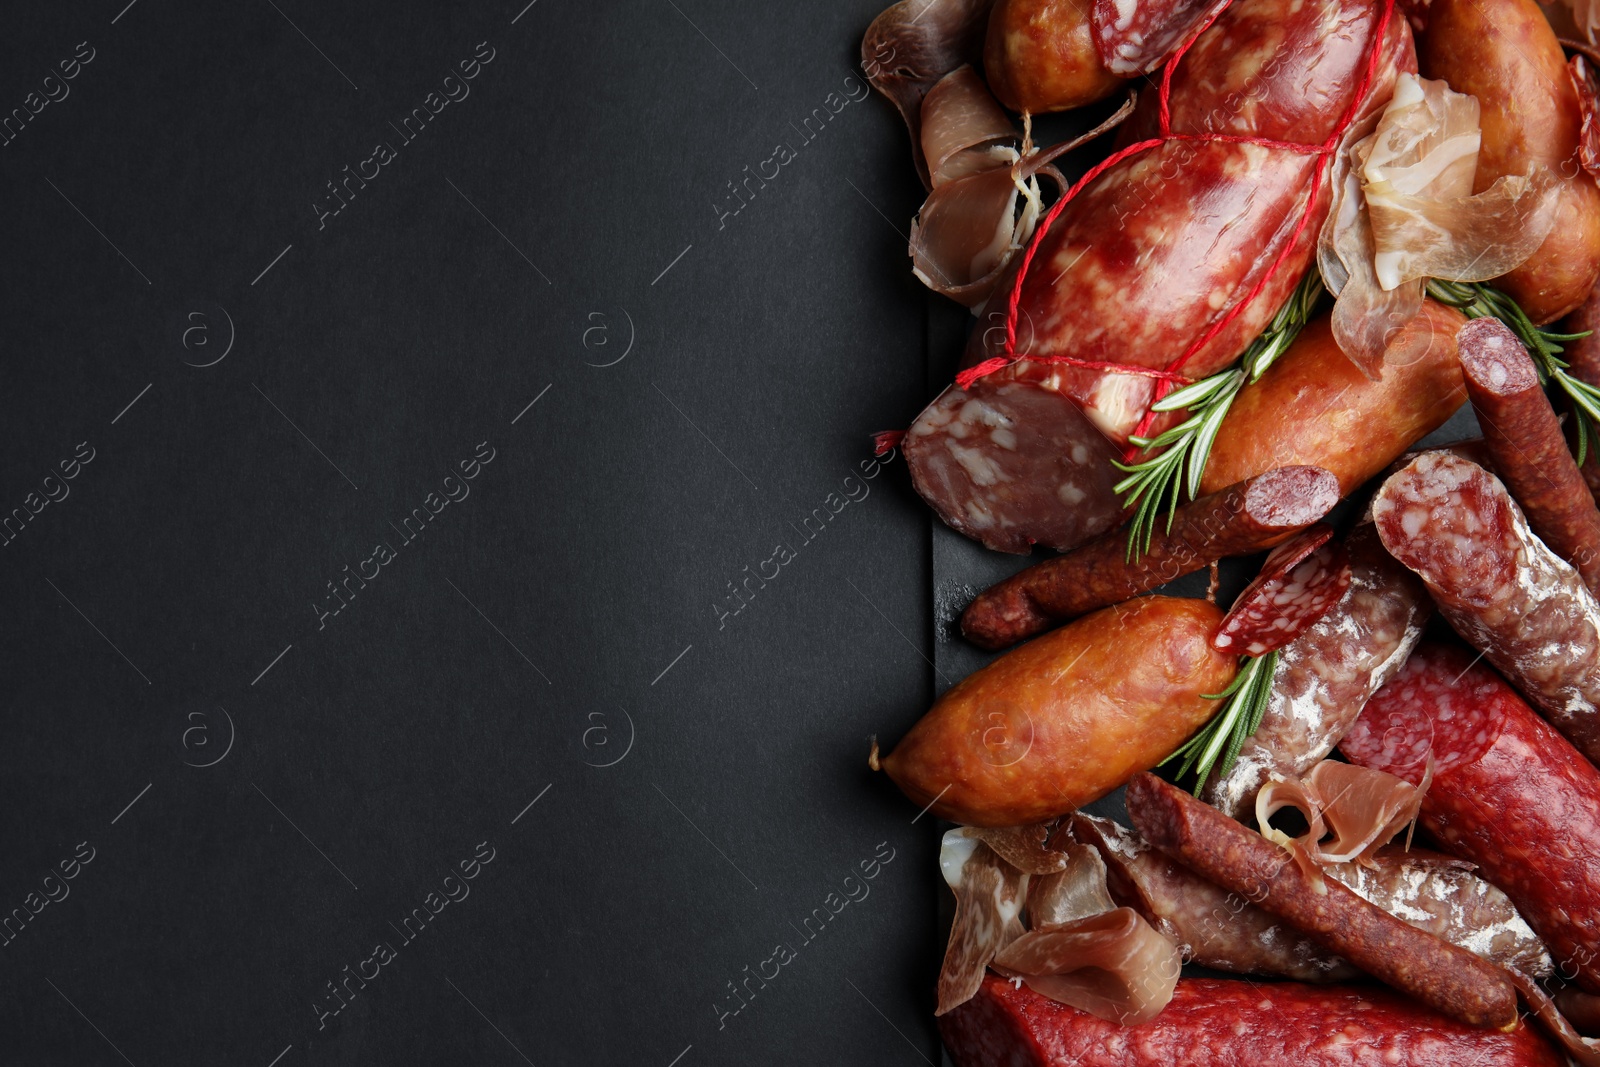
(1244, 702)
(1182, 451)
(1476, 300)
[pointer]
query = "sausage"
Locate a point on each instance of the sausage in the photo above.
(1446, 978)
(1314, 405)
(1299, 582)
(1130, 274)
(1236, 521)
(1065, 719)
(1583, 363)
(1502, 589)
(1524, 438)
(1214, 927)
(1508, 793)
(1040, 55)
(1221, 1022)
(1325, 676)
(1504, 53)
(1014, 464)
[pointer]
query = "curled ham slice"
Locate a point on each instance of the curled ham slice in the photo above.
(1362, 807)
(964, 129)
(911, 45)
(1404, 212)
(1023, 847)
(1076, 891)
(989, 896)
(1113, 965)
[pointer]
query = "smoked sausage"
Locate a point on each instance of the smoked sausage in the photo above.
(1065, 719)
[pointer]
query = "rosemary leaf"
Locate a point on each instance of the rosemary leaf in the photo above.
(1244, 702)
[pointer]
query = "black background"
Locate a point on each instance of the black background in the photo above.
(163, 615)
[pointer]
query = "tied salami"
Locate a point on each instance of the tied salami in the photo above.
(1524, 440)
(1508, 793)
(1241, 519)
(1441, 975)
(1300, 580)
(1220, 1022)
(1502, 589)
(1137, 36)
(1325, 676)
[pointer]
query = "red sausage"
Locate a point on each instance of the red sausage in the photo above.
(1509, 793)
(1300, 580)
(1524, 439)
(1241, 519)
(1583, 363)
(1219, 1022)
(1446, 978)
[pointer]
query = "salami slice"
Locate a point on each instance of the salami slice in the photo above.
(1300, 580)
(1502, 589)
(1447, 978)
(1012, 462)
(1137, 36)
(1508, 793)
(1525, 442)
(1325, 675)
(1236, 521)
(1219, 1022)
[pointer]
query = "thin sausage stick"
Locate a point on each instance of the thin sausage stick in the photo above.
(1245, 517)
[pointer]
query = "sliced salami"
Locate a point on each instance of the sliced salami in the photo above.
(1508, 793)
(1501, 587)
(1137, 36)
(1325, 676)
(1299, 582)
(1012, 463)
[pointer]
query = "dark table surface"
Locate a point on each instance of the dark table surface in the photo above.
(395, 398)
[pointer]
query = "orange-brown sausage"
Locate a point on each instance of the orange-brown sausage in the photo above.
(1504, 53)
(1066, 719)
(1040, 56)
(1313, 406)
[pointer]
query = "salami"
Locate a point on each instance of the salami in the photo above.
(1444, 977)
(1137, 36)
(1241, 519)
(1508, 793)
(1013, 465)
(1502, 589)
(1300, 580)
(1219, 1022)
(1583, 363)
(1325, 676)
(1524, 438)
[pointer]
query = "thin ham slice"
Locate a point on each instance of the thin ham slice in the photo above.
(1113, 965)
(1363, 809)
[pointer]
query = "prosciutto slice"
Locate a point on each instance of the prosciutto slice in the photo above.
(1114, 965)
(1363, 808)
(989, 896)
(1404, 212)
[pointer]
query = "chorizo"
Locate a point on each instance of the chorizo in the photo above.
(1040, 55)
(1065, 719)
(1236, 521)
(1448, 979)
(1504, 53)
(1508, 793)
(1527, 610)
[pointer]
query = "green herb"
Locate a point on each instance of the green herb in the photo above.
(1185, 448)
(1476, 300)
(1218, 742)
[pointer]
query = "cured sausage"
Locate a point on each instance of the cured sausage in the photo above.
(1220, 1022)
(1449, 979)
(1040, 55)
(1325, 676)
(1236, 521)
(1009, 745)
(1504, 53)
(1508, 793)
(1315, 406)
(1128, 275)
(1524, 439)
(1013, 465)
(1583, 363)
(1300, 580)
(1502, 589)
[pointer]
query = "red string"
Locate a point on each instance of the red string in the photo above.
(1168, 376)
